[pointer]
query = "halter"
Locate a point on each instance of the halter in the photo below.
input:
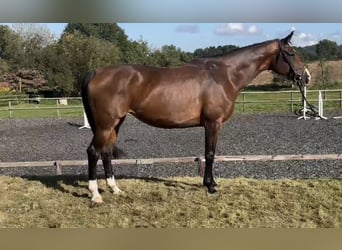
(297, 78)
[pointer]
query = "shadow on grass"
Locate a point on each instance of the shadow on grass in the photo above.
(56, 182)
(59, 182)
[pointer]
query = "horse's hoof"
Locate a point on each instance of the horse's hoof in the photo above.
(97, 200)
(212, 190)
(117, 191)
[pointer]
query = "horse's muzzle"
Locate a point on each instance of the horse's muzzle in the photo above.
(306, 77)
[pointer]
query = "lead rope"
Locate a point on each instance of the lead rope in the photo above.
(300, 84)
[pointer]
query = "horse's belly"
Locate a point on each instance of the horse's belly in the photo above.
(167, 118)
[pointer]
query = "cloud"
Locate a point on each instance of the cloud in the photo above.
(237, 29)
(300, 39)
(304, 39)
(336, 36)
(187, 28)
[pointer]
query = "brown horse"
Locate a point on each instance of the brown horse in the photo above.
(200, 93)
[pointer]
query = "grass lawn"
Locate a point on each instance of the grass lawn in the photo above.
(27, 110)
(64, 202)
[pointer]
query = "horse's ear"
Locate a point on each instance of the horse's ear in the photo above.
(287, 39)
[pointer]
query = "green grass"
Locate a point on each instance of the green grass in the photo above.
(172, 202)
(43, 110)
(274, 101)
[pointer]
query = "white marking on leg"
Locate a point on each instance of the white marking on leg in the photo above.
(112, 184)
(95, 195)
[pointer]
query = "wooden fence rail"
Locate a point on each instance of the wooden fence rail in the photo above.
(149, 161)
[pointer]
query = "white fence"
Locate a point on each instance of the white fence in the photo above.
(52, 106)
(263, 101)
(287, 100)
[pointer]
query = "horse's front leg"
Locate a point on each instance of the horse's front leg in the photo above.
(212, 129)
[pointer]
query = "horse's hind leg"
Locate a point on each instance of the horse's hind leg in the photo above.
(108, 168)
(116, 150)
(93, 157)
(102, 144)
(107, 153)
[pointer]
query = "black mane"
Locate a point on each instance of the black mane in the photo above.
(234, 51)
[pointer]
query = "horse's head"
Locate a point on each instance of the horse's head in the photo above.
(288, 63)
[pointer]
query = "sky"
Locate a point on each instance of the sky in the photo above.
(191, 36)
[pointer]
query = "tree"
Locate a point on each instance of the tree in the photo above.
(67, 61)
(327, 50)
(10, 46)
(308, 53)
(5, 34)
(138, 52)
(109, 32)
(21, 46)
(7, 38)
(324, 72)
(170, 56)
(33, 31)
(214, 51)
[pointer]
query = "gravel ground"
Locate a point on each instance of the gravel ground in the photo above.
(61, 139)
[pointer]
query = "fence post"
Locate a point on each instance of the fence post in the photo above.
(10, 109)
(291, 97)
(57, 104)
(243, 101)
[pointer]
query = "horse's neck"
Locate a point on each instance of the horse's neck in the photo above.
(244, 68)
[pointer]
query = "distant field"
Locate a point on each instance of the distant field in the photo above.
(333, 68)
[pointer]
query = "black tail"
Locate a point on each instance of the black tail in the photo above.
(85, 99)
(117, 152)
